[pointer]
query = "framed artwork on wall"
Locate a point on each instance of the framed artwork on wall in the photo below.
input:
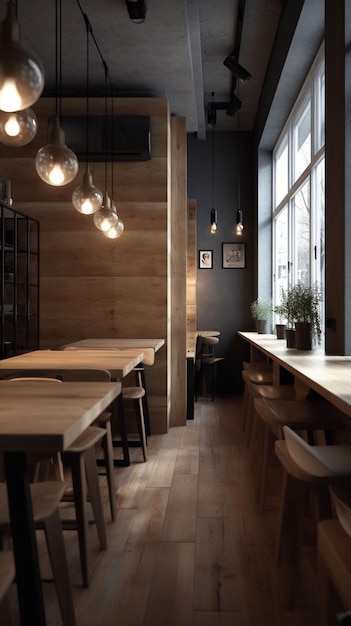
(233, 255)
(205, 259)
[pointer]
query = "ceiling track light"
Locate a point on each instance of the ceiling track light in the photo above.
(234, 106)
(231, 62)
(136, 10)
(18, 128)
(21, 72)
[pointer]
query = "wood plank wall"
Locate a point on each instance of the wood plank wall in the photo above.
(191, 324)
(93, 286)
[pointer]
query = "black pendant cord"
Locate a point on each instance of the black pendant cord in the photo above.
(88, 30)
(213, 157)
(106, 81)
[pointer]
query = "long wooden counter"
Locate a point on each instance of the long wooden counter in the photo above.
(328, 375)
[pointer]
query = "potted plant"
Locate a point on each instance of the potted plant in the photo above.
(280, 327)
(261, 311)
(307, 301)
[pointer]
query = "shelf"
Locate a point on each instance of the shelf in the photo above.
(19, 250)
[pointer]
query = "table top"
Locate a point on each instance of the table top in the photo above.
(118, 363)
(122, 343)
(328, 375)
(49, 416)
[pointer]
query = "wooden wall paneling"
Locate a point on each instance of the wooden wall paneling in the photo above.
(93, 286)
(177, 293)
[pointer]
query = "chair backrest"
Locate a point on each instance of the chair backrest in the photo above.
(308, 458)
(341, 498)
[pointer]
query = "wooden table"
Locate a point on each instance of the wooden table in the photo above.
(328, 375)
(120, 343)
(50, 362)
(47, 418)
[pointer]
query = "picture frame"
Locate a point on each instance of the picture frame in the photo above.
(205, 259)
(234, 255)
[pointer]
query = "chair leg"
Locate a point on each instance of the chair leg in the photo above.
(57, 554)
(110, 470)
(95, 495)
(141, 425)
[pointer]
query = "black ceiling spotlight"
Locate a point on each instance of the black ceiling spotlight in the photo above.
(234, 106)
(231, 62)
(136, 10)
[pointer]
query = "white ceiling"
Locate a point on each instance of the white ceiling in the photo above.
(177, 52)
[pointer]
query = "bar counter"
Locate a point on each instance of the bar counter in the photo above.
(328, 375)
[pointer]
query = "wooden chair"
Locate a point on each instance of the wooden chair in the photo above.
(135, 397)
(308, 470)
(46, 497)
(80, 458)
(314, 419)
(334, 557)
(205, 359)
(7, 576)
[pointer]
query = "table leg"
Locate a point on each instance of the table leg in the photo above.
(24, 540)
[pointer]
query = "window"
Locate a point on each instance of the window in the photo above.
(298, 189)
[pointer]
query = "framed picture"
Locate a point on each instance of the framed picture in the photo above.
(205, 259)
(233, 255)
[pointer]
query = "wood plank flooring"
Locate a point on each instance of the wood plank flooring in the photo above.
(189, 547)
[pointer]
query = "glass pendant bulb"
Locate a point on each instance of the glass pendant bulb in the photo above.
(116, 230)
(21, 72)
(105, 218)
(18, 128)
(56, 164)
(239, 227)
(87, 198)
(213, 224)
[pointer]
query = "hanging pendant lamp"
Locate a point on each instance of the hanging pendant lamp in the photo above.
(118, 229)
(87, 198)
(212, 124)
(239, 226)
(18, 128)
(55, 163)
(105, 218)
(21, 72)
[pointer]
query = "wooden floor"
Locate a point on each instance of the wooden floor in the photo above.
(189, 547)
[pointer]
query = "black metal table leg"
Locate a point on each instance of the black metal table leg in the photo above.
(24, 541)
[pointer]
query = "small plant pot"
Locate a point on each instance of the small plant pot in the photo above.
(290, 337)
(280, 331)
(303, 337)
(263, 327)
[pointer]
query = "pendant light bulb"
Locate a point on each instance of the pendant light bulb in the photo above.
(213, 225)
(105, 218)
(56, 164)
(239, 227)
(21, 72)
(116, 230)
(87, 198)
(18, 128)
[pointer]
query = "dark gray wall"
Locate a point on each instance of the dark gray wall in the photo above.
(224, 295)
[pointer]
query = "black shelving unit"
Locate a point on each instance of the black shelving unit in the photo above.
(19, 282)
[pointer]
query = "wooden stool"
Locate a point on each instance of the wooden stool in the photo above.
(7, 576)
(299, 415)
(308, 470)
(256, 376)
(149, 359)
(46, 497)
(81, 459)
(209, 360)
(135, 396)
(334, 569)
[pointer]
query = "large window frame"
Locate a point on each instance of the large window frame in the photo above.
(298, 189)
